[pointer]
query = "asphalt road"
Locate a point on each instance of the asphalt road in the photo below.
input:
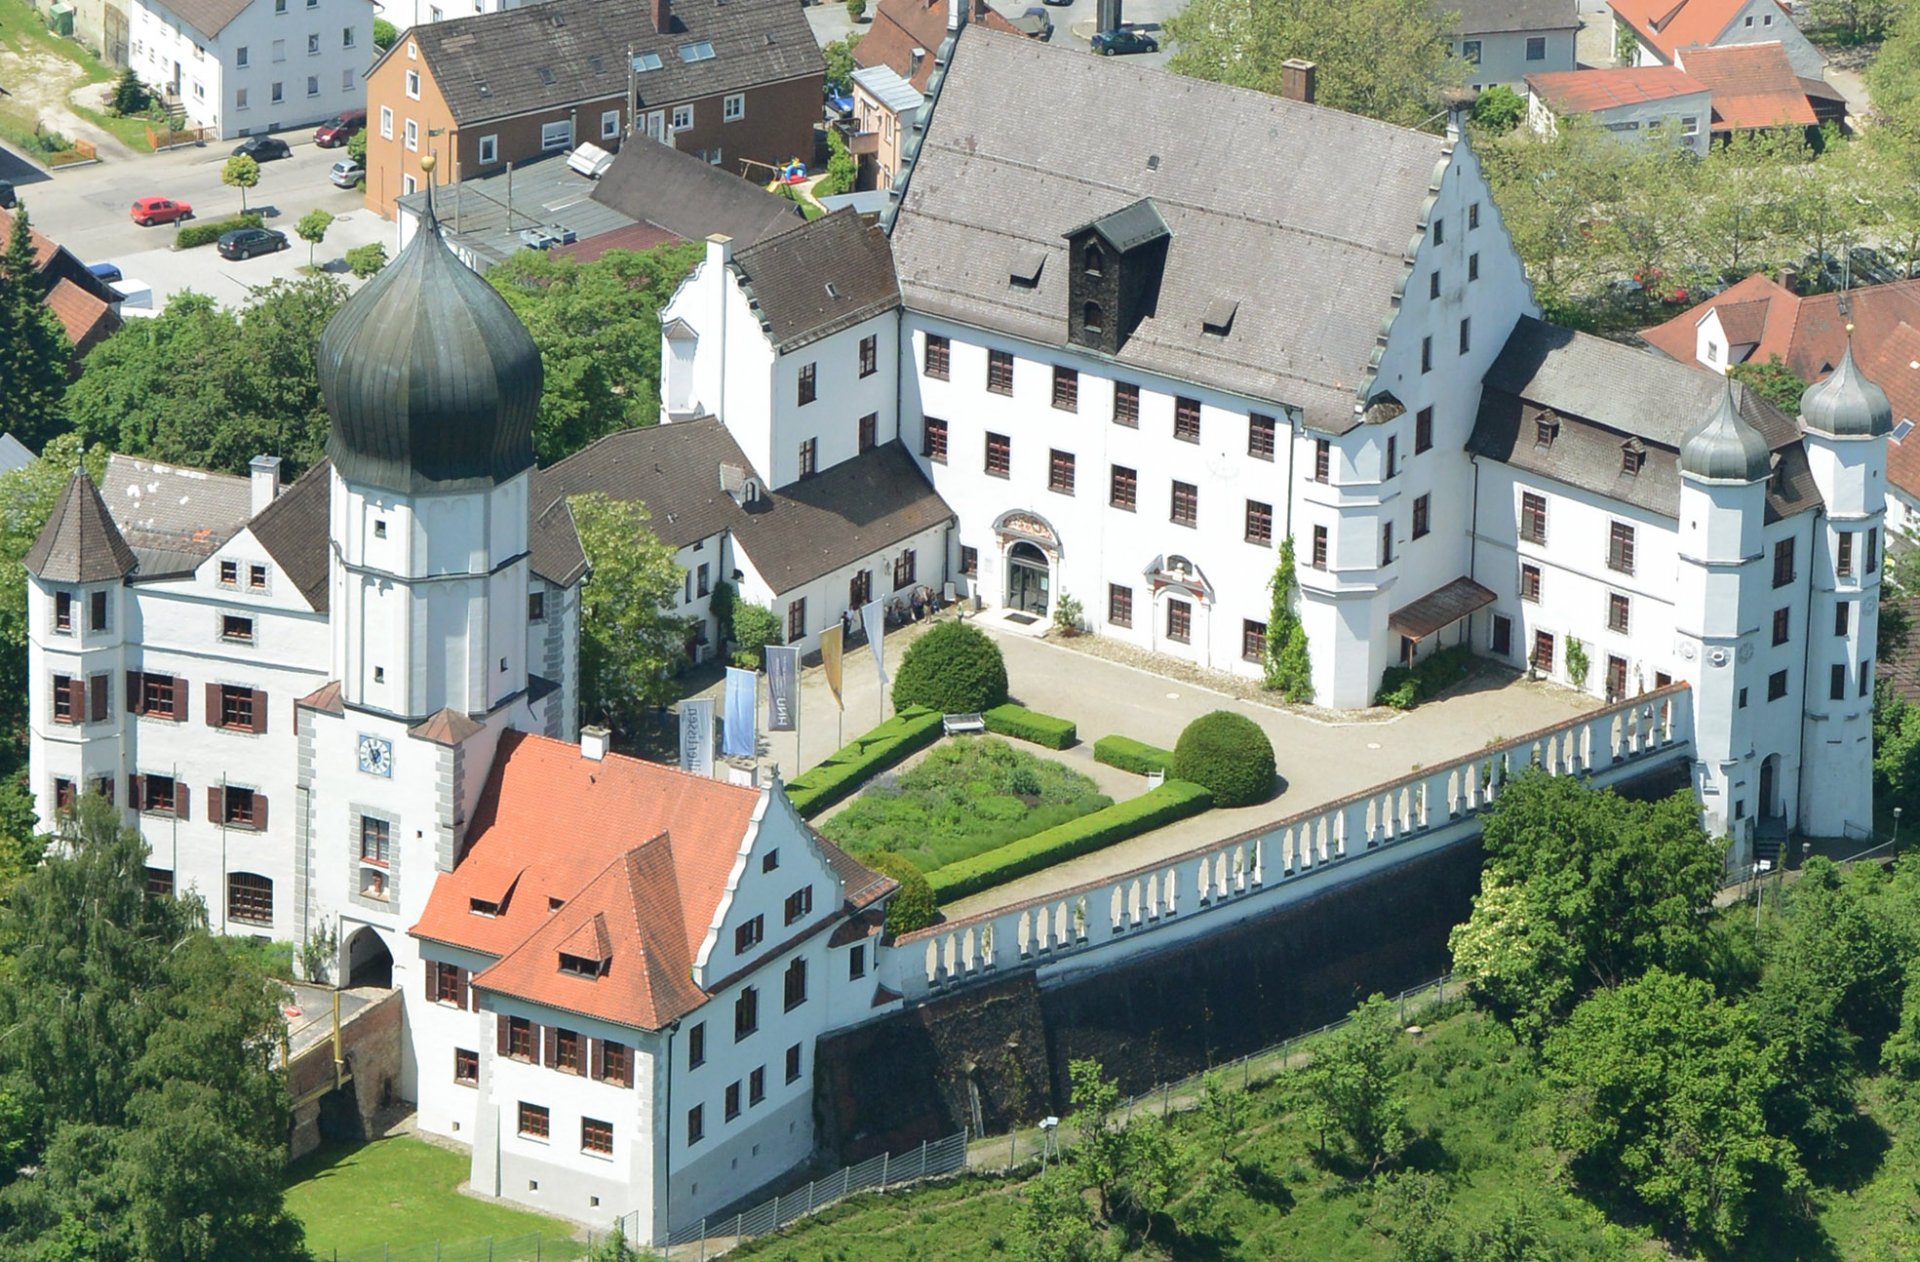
(86, 209)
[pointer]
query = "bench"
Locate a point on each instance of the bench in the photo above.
(954, 723)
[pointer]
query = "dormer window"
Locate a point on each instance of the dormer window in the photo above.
(483, 907)
(1632, 456)
(1546, 428)
(581, 966)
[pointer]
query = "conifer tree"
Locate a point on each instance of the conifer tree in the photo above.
(34, 354)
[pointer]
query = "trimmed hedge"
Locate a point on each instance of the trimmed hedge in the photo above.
(1131, 755)
(955, 668)
(848, 767)
(1176, 799)
(196, 234)
(912, 905)
(1230, 754)
(1030, 725)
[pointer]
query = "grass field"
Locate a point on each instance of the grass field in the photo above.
(31, 54)
(402, 1192)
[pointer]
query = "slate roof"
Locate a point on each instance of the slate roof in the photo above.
(173, 518)
(818, 278)
(79, 543)
(1129, 226)
(690, 198)
(793, 535)
(14, 454)
(493, 65)
(900, 26)
(209, 17)
(1022, 124)
(294, 530)
(1584, 91)
(1490, 17)
(554, 538)
(1753, 86)
(1603, 394)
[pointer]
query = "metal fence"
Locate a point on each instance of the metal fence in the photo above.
(531, 1248)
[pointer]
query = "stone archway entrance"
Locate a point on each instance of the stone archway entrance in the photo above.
(1028, 580)
(369, 963)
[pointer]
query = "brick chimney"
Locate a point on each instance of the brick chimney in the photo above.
(1298, 79)
(979, 11)
(662, 17)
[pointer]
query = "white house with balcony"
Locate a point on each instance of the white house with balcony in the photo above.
(245, 67)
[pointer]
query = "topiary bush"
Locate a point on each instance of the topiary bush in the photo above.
(1228, 754)
(912, 906)
(955, 669)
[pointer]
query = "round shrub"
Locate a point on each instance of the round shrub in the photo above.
(955, 669)
(1228, 754)
(912, 906)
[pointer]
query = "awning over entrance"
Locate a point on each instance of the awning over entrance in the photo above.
(1439, 609)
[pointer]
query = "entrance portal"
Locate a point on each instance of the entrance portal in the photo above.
(369, 963)
(1027, 579)
(1769, 774)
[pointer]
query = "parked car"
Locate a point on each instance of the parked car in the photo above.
(1034, 23)
(6, 195)
(1124, 40)
(264, 148)
(244, 243)
(346, 173)
(340, 129)
(148, 211)
(108, 272)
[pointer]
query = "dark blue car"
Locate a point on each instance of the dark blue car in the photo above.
(108, 272)
(1107, 43)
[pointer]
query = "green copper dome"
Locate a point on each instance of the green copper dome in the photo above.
(1724, 447)
(1846, 404)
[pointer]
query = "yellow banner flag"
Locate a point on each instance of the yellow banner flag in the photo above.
(830, 660)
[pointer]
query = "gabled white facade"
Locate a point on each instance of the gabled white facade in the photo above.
(1506, 58)
(278, 64)
(1754, 22)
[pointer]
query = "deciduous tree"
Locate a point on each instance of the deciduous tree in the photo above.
(629, 643)
(1351, 1088)
(312, 229)
(243, 173)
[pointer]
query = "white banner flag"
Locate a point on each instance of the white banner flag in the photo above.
(696, 736)
(874, 620)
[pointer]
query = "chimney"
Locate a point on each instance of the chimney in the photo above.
(913, 66)
(1459, 103)
(594, 742)
(264, 472)
(1297, 79)
(662, 17)
(956, 14)
(719, 249)
(979, 13)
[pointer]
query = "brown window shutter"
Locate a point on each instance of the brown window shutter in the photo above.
(180, 799)
(505, 1028)
(137, 792)
(599, 1060)
(214, 812)
(551, 1038)
(260, 811)
(259, 711)
(179, 700)
(461, 991)
(432, 971)
(136, 694)
(213, 705)
(77, 696)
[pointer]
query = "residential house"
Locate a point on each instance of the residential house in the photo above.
(884, 108)
(739, 84)
(86, 306)
(242, 67)
(905, 33)
(1754, 87)
(1632, 102)
(1656, 32)
(1504, 41)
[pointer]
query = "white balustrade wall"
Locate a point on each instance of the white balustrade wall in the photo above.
(1295, 857)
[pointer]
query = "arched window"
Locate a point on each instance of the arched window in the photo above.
(1091, 318)
(1092, 261)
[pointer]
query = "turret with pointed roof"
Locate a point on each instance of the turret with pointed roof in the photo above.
(80, 543)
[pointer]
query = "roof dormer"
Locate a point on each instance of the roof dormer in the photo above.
(1114, 266)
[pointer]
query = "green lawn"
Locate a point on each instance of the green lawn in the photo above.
(966, 797)
(401, 1192)
(23, 32)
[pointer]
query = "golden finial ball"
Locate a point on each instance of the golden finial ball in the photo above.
(427, 164)
(1849, 328)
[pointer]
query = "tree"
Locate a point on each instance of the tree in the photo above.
(1412, 1208)
(1229, 754)
(1351, 1087)
(1856, 19)
(1775, 382)
(364, 260)
(35, 356)
(1289, 671)
(130, 96)
(856, 9)
(613, 1246)
(357, 147)
(913, 905)
(598, 328)
(629, 645)
(384, 34)
(312, 229)
(1386, 59)
(1660, 1086)
(754, 627)
(1499, 109)
(842, 167)
(955, 668)
(243, 173)
(839, 55)
(1051, 1218)
(1100, 1153)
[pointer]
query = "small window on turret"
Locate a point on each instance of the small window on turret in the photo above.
(96, 611)
(63, 611)
(379, 528)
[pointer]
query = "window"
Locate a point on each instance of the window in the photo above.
(1837, 685)
(1179, 621)
(446, 983)
(1119, 605)
(682, 117)
(793, 1063)
(489, 148)
(1618, 612)
(696, 1124)
(857, 962)
(566, 1051)
(63, 611)
(520, 1038)
(1122, 488)
(799, 904)
(1470, 50)
(1386, 543)
(1422, 430)
(1126, 404)
(596, 1136)
(869, 431)
(413, 85)
(386, 129)
(1530, 584)
(1782, 626)
(1060, 472)
(1440, 225)
(69, 698)
(937, 361)
(313, 44)
(1533, 517)
(1842, 615)
(697, 1046)
(1783, 563)
(746, 1013)
(969, 561)
(869, 355)
(249, 898)
(1186, 420)
(1426, 354)
(1843, 554)
(904, 569)
(796, 984)
(1866, 678)
(241, 808)
(153, 695)
(1466, 336)
(1616, 677)
(809, 457)
(346, 37)
(313, 85)
(733, 108)
(1776, 685)
(616, 1063)
(1421, 513)
(1545, 429)
(1000, 372)
(411, 132)
(1543, 651)
(732, 1104)
(238, 708)
(1253, 641)
(276, 93)
(1322, 460)
(1318, 557)
(757, 1085)
(807, 384)
(240, 55)
(1433, 284)
(1186, 504)
(466, 1067)
(1473, 265)
(256, 578)
(1620, 547)
(859, 592)
(1873, 550)
(753, 932)
(1260, 436)
(1536, 48)
(1259, 523)
(1690, 126)
(1632, 457)
(1393, 455)
(235, 627)
(62, 794)
(999, 456)
(609, 124)
(533, 1120)
(1066, 389)
(933, 439)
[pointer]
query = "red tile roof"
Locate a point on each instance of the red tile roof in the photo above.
(85, 318)
(1670, 25)
(1753, 86)
(44, 248)
(900, 26)
(1582, 91)
(1759, 296)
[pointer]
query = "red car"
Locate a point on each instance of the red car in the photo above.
(338, 131)
(152, 210)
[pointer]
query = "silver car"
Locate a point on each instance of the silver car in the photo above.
(346, 173)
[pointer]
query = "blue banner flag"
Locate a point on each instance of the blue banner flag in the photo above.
(743, 688)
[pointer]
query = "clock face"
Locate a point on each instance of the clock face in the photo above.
(376, 756)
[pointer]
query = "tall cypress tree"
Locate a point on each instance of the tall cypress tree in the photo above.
(34, 354)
